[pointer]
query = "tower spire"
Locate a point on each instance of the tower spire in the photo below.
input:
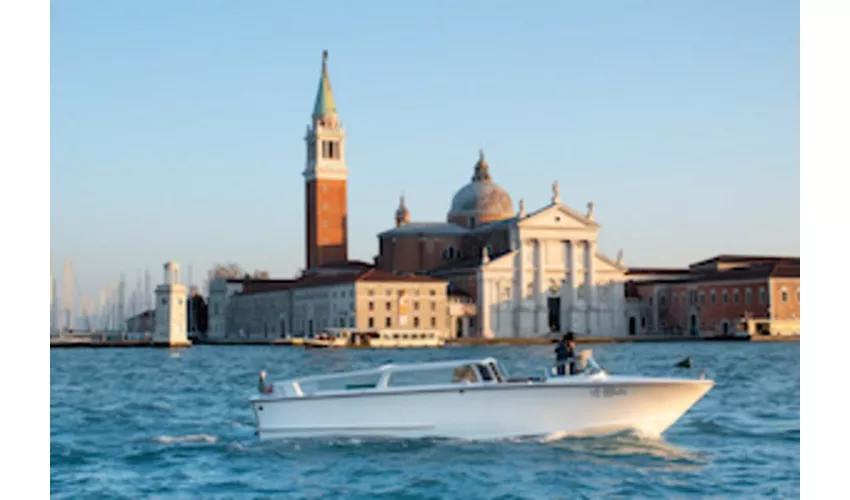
(325, 105)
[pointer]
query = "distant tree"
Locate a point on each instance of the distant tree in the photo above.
(232, 270)
(197, 317)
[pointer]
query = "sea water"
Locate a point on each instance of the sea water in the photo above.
(155, 423)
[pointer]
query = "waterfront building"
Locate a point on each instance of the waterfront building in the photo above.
(143, 322)
(352, 295)
(713, 296)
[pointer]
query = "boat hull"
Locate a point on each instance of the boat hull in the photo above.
(565, 406)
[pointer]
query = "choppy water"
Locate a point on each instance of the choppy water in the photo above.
(136, 423)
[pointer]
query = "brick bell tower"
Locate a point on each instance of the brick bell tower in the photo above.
(326, 179)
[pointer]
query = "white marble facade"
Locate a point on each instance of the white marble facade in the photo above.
(554, 257)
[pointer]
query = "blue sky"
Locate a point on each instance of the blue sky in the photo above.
(177, 127)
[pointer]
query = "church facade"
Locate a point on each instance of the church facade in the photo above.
(530, 273)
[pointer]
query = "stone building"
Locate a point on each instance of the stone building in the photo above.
(347, 296)
(712, 296)
(530, 273)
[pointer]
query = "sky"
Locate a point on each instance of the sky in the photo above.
(177, 127)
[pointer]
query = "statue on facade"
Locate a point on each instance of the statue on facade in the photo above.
(589, 210)
(521, 208)
(556, 193)
(620, 258)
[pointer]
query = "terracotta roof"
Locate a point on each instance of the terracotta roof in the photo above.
(371, 275)
(759, 271)
(261, 286)
(460, 293)
(344, 264)
(745, 259)
(657, 270)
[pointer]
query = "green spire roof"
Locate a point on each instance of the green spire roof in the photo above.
(325, 104)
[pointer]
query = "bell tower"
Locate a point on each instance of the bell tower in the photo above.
(326, 180)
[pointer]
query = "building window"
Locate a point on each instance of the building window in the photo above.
(388, 322)
(434, 304)
(433, 322)
(736, 296)
(663, 300)
(650, 301)
(713, 297)
(433, 292)
(798, 295)
(784, 295)
(762, 295)
(748, 296)
(725, 297)
(416, 306)
(389, 305)
(371, 322)
(416, 322)
(351, 322)
(370, 292)
(702, 298)
(371, 306)
(643, 321)
(389, 292)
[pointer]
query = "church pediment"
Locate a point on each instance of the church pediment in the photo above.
(557, 216)
(606, 265)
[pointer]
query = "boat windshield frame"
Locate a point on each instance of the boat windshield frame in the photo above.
(473, 371)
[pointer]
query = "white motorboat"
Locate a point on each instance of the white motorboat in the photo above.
(471, 399)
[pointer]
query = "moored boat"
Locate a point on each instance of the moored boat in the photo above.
(472, 399)
(375, 338)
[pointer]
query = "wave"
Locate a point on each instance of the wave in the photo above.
(191, 438)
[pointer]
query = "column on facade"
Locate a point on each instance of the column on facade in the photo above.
(542, 326)
(484, 301)
(591, 305)
(519, 290)
(573, 263)
(591, 272)
(564, 293)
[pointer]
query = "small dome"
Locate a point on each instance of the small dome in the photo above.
(480, 201)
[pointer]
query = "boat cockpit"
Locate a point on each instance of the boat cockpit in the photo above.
(419, 375)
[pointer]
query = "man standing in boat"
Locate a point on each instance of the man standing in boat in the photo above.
(565, 353)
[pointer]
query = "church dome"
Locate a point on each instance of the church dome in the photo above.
(480, 201)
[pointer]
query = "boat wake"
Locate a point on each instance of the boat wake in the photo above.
(191, 438)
